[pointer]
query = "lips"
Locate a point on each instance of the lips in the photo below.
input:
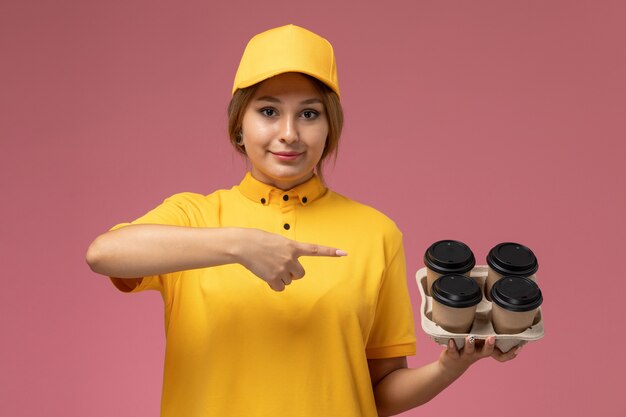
(287, 156)
(287, 153)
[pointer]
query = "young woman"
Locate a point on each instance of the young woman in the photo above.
(282, 298)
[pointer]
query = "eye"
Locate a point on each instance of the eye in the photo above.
(268, 111)
(310, 114)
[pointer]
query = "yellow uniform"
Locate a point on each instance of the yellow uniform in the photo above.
(235, 347)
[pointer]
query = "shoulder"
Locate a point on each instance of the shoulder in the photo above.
(197, 200)
(365, 217)
(190, 208)
(188, 197)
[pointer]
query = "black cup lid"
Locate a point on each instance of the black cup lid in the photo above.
(455, 290)
(515, 293)
(449, 257)
(511, 258)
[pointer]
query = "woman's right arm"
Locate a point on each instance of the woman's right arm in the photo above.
(142, 250)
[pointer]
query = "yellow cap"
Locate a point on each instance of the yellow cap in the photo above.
(287, 49)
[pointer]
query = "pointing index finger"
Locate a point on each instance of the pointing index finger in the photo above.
(305, 249)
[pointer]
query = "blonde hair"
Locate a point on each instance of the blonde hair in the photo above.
(334, 113)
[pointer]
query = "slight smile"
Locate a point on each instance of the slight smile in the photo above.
(286, 156)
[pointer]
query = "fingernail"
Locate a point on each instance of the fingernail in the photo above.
(471, 339)
(341, 253)
(491, 340)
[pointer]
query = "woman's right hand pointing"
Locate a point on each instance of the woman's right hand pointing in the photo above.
(274, 258)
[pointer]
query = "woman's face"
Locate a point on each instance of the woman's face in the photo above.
(284, 130)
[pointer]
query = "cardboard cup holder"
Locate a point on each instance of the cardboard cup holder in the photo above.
(481, 327)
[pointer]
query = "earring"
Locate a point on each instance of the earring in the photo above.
(239, 140)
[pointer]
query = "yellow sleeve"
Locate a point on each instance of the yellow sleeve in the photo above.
(175, 211)
(392, 334)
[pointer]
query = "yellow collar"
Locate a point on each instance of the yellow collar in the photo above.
(265, 194)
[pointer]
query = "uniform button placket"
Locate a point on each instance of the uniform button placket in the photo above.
(288, 210)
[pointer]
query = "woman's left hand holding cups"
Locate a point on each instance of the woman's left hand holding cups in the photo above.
(456, 361)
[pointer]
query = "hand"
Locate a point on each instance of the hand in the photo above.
(274, 258)
(455, 362)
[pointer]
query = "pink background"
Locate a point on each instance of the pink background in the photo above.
(482, 121)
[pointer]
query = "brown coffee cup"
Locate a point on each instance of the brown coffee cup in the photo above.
(447, 257)
(515, 303)
(455, 298)
(509, 259)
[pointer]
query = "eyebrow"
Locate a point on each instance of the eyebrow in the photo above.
(276, 100)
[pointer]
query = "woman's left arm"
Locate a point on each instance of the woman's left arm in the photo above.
(398, 388)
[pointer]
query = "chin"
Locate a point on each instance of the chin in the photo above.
(293, 177)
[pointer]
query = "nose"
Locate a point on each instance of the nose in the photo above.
(289, 130)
